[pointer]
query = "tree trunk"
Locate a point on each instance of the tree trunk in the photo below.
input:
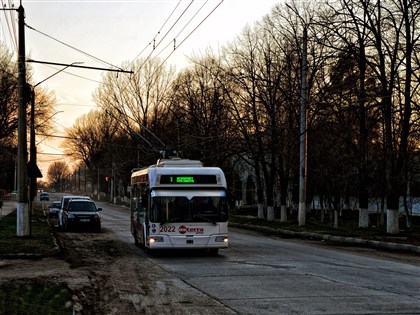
(363, 218)
(335, 219)
(260, 211)
(270, 213)
(283, 213)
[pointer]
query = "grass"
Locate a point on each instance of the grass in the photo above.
(39, 243)
(347, 227)
(35, 298)
(31, 296)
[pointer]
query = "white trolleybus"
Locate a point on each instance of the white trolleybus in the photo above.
(178, 203)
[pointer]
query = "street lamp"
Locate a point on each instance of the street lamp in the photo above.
(33, 170)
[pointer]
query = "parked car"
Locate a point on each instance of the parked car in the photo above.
(44, 196)
(80, 213)
(54, 208)
(64, 202)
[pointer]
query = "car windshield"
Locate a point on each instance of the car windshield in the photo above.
(67, 200)
(81, 206)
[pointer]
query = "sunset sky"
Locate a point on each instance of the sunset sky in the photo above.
(115, 32)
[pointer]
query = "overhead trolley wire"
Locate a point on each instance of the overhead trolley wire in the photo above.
(122, 111)
(174, 40)
(202, 21)
(179, 33)
(166, 34)
(175, 23)
(170, 15)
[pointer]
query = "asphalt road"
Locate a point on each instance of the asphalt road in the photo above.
(259, 274)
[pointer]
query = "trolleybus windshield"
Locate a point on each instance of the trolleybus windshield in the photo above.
(175, 207)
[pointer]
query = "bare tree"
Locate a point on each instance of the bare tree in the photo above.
(44, 106)
(58, 173)
(394, 36)
(89, 139)
(8, 96)
(135, 101)
(199, 110)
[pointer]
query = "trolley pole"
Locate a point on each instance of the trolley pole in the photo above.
(22, 209)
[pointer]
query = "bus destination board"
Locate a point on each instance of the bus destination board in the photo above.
(187, 179)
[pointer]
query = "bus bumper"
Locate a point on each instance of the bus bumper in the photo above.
(187, 241)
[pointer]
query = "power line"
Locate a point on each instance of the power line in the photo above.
(13, 36)
(54, 136)
(13, 17)
(212, 11)
(81, 105)
(76, 75)
(72, 47)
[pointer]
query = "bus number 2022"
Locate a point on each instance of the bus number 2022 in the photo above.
(167, 229)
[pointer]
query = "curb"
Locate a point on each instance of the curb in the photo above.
(330, 238)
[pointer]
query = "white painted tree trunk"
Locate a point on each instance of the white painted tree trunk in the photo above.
(22, 219)
(392, 223)
(283, 213)
(260, 211)
(363, 218)
(335, 219)
(270, 213)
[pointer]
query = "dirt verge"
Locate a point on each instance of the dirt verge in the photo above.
(107, 276)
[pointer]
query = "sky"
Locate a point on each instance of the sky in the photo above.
(113, 32)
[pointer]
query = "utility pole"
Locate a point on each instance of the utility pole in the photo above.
(33, 170)
(303, 135)
(22, 209)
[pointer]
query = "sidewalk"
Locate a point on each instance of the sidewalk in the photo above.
(8, 207)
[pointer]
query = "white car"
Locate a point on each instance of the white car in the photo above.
(54, 208)
(64, 202)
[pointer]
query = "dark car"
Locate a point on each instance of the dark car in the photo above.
(81, 213)
(44, 196)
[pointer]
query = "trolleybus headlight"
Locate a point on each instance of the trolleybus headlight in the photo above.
(157, 239)
(223, 239)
